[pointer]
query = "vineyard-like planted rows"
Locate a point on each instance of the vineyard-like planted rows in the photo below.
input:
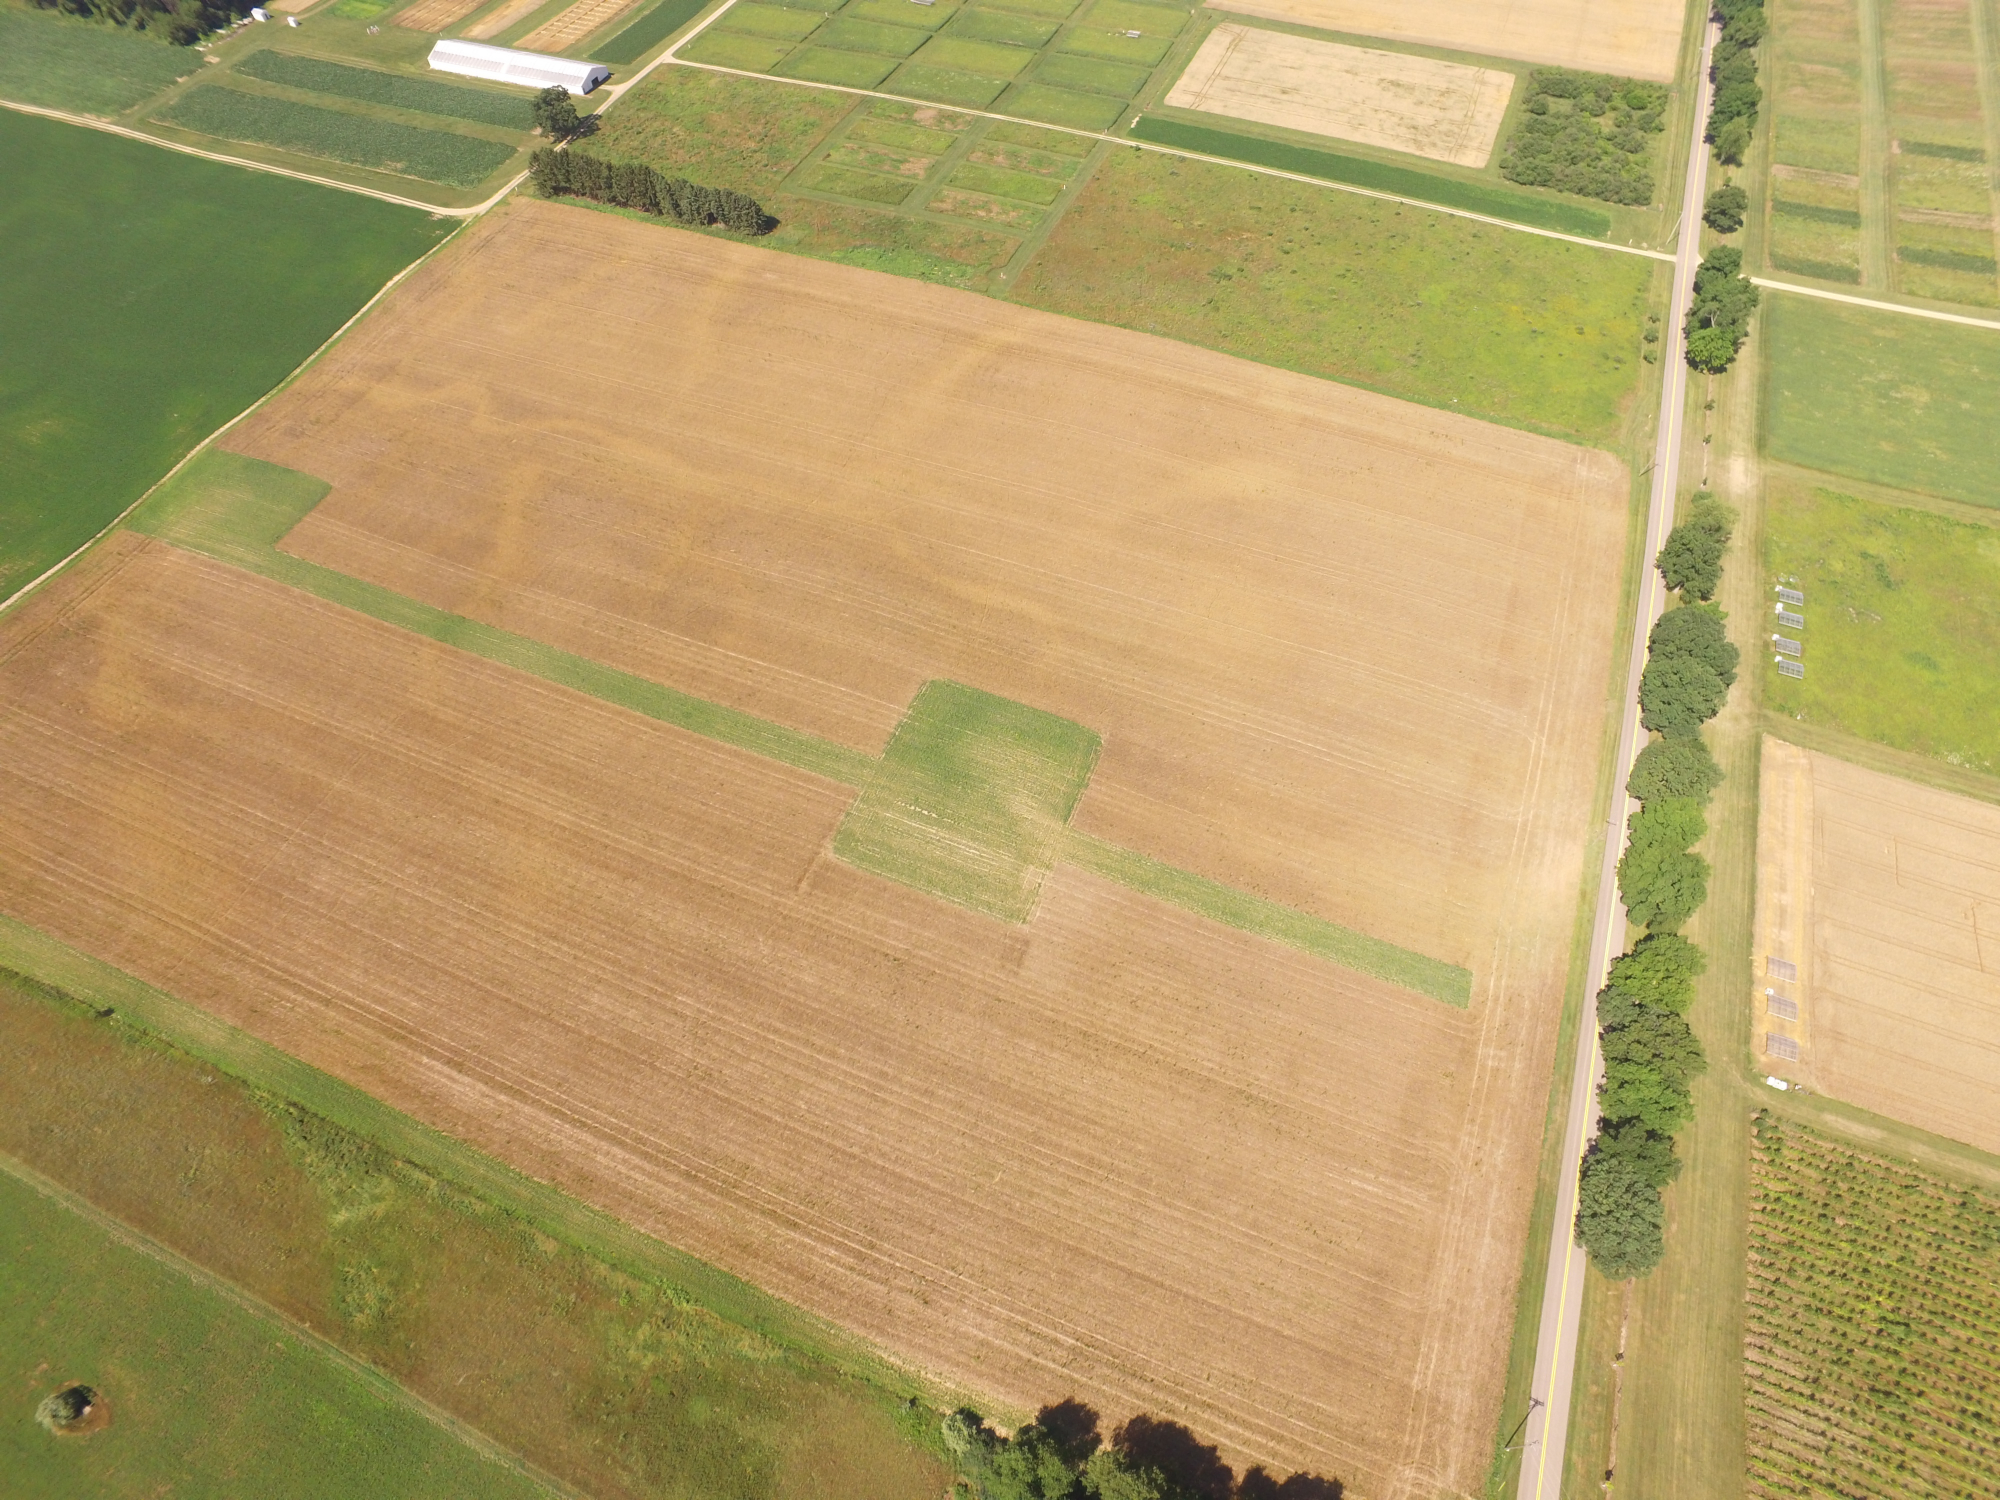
(1872, 1343)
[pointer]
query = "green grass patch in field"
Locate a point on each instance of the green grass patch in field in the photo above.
(85, 66)
(945, 85)
(871, 158)
(1819, 213)
(977, 208)
(855, 70)
(1453, 313)
(1134, 15)
(1007, 133)
(1053, 10)
(358, 140)
(993, 152)
(776, 21)
(117, 352)
(424, 95)
(902, 13)
(646, 33)
(1093, 75)
(620, 1365)
(742, 133)
(899, 136)
(237, 509)
(1037, 101)
(978, 25)
(1296, 929)
(1872, 1322)
(1902, 629)
(206, 1395)
(1380, 177)
(1004, 182)
(990, 59)
(871, 36)
(970, 799)
(869, 187)
(361, 10)
(1894, 400)
(731, 49)
(1819, 144)
(1115, 46)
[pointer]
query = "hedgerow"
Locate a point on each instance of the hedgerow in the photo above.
(1733, 70)
(1587, 133)
(636, 185)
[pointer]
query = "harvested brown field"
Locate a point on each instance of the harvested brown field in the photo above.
(1342, 652)
(1446, 111)
(1634, 38)
(571, 26)
(436, 15)
(1883, 897)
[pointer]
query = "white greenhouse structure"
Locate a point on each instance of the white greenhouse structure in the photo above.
(535, 70)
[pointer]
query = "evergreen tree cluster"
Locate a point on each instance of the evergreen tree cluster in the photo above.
(1061, 1456)
(1587, 133)
(182, 22)
(1651, 1055)
(1718, 320)
(636, 185)
(1733, 70)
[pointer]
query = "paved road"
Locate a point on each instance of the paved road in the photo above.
(1547, 1431)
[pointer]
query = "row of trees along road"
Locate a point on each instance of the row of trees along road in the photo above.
(1732, 111)
(1651, 1056)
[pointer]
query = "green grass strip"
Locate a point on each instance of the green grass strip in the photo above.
(237, 509)
(1295, 929)
(1376, 176)
(111, 992)
(372, 86)
(646, 33)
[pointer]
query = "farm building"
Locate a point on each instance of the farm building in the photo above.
(533, 70)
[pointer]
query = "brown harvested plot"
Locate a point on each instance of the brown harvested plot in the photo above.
(1342, 652)
(571, 26)
(436, 15)
(1884, 896)
(1633, 38)
(1446, 111)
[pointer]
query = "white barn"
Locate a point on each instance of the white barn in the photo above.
(535, 70)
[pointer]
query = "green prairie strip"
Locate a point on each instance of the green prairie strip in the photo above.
(397, 90)
(207, 1393)
(646, 33)
(237, 509)
(84, 66)
(358, 140)
(1376, 176)
(1295, 929)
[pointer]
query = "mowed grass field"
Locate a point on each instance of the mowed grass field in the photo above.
(1521, 329)
(152, 296)
(206, 1395)
(1118, 1149)
(86, 67)
(603, 1372)
(1893, 400)
(1903, 622)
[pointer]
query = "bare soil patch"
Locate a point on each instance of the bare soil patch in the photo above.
(1884, 897)
(1344, 653)
(1446, 111)
(1633, 38)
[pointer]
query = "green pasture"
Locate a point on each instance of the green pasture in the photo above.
(151, 297)
(207, 1395)
(1518, 328)
(335, 135)
(1902, 637)
(1894, 400)
(611, 1361)
(60, 62)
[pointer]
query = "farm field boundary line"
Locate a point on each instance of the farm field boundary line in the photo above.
(107, 126)
(1933, 313)
(1139, 145)
(237, 509)
(381, 1384)
(206, 443)
(115, 995)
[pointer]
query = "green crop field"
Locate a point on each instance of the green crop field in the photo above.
(1872, 1343)
(1894, 400)
(1452, 313)
(1903, 623)
(205, 1395)
(372, 86)
(614, 1372)
(646, 33)
(359, 140)
(84, 66)
(118, 353)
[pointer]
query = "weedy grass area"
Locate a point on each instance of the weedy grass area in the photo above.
(1894, 400)
(63, 63)
(119, 352)
(1902, 607)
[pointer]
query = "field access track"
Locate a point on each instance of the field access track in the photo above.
(1343, 653)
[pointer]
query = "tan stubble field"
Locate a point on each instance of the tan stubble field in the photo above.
(1344, 652)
